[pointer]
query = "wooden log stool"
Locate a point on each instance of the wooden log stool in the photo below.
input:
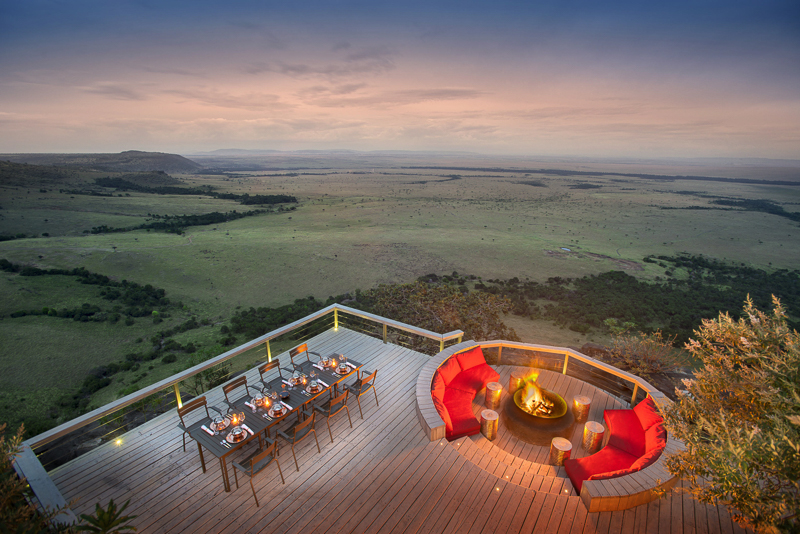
(515, 381)
(580, 408)
(489, 419)
(560, 450)
(493, 391)
(593, 436)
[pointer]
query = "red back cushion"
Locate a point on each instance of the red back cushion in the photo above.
(647, 413)
(449, 370)
(625, 432)
(437, 386)
(612, 474)
(655, 438)
(471, 358)
(440, 407)
(647, 460)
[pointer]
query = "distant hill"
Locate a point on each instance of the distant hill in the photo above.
(25, 175)
(130, 161)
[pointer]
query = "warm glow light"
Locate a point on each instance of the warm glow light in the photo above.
(118, 442)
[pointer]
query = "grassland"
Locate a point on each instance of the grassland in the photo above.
(360, 221)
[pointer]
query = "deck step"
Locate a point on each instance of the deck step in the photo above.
(528, 475)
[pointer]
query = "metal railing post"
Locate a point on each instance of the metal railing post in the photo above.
(566, 359)
(441, 345)
(384, 332)
(499, 353)
(336, 320)
(459, 339)
(635, 391)
(177, 394)
(269, 352)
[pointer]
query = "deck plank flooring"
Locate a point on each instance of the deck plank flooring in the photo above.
(383, 475)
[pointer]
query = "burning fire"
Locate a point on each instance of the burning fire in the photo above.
(533, 401)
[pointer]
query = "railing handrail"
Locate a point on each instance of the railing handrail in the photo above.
(85, 419)
(566, 352)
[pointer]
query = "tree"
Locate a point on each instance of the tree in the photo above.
(644, 353)
(740, 419)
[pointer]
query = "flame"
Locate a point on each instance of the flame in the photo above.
(533, 401)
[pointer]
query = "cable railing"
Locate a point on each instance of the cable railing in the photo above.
(106, 423)
(619, 383)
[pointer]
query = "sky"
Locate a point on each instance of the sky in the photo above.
(551, 78)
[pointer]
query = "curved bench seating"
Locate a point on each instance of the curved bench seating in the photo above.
(620, 493)
(432, 423)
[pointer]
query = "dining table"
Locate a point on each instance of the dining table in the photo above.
(260, 419)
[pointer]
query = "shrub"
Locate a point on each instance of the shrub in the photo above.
(169, 358)
(740, 419)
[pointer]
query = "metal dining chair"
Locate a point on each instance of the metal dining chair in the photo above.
(299, 431)
(297, 352)
(232, 386)
(183, 411)
(361, 386)
(333, 406)
(265, 368)
(256, 463)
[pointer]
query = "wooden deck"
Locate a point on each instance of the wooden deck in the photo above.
(381, 476)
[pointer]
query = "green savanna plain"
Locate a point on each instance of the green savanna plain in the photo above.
(358, 222)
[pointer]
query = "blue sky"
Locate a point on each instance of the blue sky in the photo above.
(614, 79)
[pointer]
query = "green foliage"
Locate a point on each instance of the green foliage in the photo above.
(740, 418)
(107, 520)
(442, 308)
(210, 378)
(644, 353)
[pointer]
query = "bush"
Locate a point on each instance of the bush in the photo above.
(169, 358)
(740, 419)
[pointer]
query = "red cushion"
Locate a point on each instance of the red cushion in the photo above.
(625, 431)
(471, 358)
(474, 379)
(608, 459)
(440, 407)
(438, 386)
(463, 422)
(655, 438)
(647, 460)
(647, 413)
(449, 370)
(612, 474)
(453, 396)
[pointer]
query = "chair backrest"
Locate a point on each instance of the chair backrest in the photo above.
(365, 382)
(298, 351)
(299, 427)
(192, 405)
(233, 384)
(268, 451)
(269, 366)
(337, 400)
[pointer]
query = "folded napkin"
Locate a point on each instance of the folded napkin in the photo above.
(287, 406)
(351, 365)
(204, 427)
(323, 383)
(251, 406)
(287, 382)
(248, 429)
(318, 367)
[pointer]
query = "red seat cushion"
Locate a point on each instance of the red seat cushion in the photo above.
(613, 474)
(453, 396)
(474, 379)
(471, 358)
(608, 459)
(655, 438)
(647, 460)
(625, 431)
(648, 414)
(462, 420)
(449, 370)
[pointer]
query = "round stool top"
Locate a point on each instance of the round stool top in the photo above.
(561, 444)
(581, 399)
(518, 374)
(489, 415)
(494, 386)
(594, 426)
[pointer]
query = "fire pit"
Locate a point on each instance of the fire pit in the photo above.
(537, 415)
